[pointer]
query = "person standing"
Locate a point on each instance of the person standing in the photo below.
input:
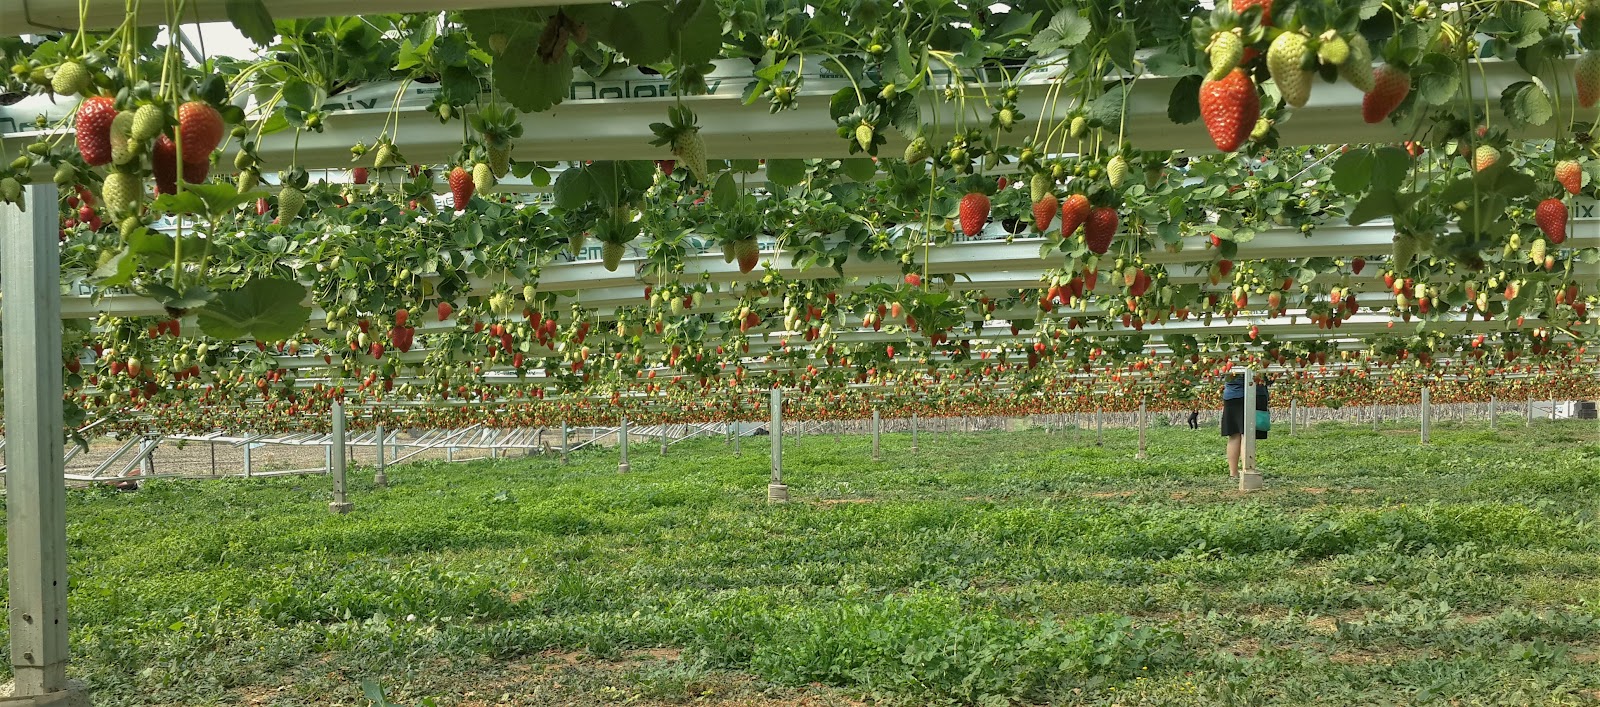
(1233, 422)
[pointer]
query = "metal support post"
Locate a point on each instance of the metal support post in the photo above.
(36, 498)
(247, 471)
(336, 456)
(738, 444)
(1493, 416)
(777, 492)
(663, 440)
(1293, 408)
(1552, 408)
(380, 479)
(1426, 413)
(622, 448)
(913, 433)
(1529, 409)
(1141, 453)
(877, 430)
(1099, 429)
(1249, 476)
(565, 431)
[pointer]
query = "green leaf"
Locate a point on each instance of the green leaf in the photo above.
(696, 31)
(1437, 79)
(1065, 30)
(606, 180)
(185, 202)
(1120, 46)
(639, 31)
(1183, 106)
(725, 194)
(1352, 172)
(299, 94)
(786, 172)
(1106, 111)
(572, 189)
(118, 270)
(860, 169)
(1525, 103)
(1376, 205)
(252, 20)
(1389, 168)
(745, 166)
(219, 198)
(266, 309)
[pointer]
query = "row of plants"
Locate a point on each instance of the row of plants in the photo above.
(1481, 214)
(269, 405)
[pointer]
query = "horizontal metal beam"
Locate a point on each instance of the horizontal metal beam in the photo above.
(43, 16)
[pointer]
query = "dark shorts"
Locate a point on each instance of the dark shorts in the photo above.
(1233, 417)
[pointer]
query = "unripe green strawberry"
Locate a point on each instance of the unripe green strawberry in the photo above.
(10, 189)
(65, 175)
(1260, 130)
(242, 160)
(1117, 171)
(575, 243)
(1536, 251)
(690, 149)
(1333, 50)
(611, 255)
(500, 160)
(1078, 126)
(71, 79)
(917, 150)
(123, 147)
(121, 193)
(248, 180)
(864, 136)
(1038, 186)
(1356, 69)
(1226, 51)
(528, 293)
(383, 156)
(1286, 61)
(1006, 117)
(1405, 248)
(482, 178)
(148, 121)
(290, 201)
(727, 251)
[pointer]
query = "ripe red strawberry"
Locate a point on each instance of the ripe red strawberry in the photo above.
(1074, 211)
(461, 187)
(1357, 264)
(1586, 74)
(974, 213)
(401, 316)
(913, 279)
(1044, 211)
(1551, 215)
(164, 162)
(1265, 5)
(1099, 229)
(358, 175)
(444, 310)
(201, 127)
(1391, 85)
(1570, 175)
(94, 129)
(1230, 108)
(748, 252)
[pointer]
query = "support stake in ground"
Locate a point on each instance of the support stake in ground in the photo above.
(336, 459)
(777, 491)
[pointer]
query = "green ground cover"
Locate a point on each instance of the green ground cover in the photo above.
(989, 568)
